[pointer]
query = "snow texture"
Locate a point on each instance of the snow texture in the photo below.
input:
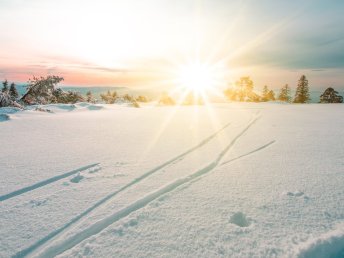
(227, 180)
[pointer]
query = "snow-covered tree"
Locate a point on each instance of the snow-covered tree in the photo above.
(40, 90)
(331, 96)
(6, 101)
(13, 92)
(302, 91)
(284, 94)
(4, 86)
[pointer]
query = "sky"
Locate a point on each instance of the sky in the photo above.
(141, 43)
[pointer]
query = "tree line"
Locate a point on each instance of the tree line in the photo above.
(243, 91)
(44, 90)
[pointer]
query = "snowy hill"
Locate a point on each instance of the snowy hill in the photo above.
(228, 180)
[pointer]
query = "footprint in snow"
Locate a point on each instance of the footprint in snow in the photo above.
(131, 223)
(240, 219)
(295, 194)
(298, 194)
(76, 179)
(36, 203)
(94, 170)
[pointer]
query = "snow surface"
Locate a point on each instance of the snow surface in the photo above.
(228, 180)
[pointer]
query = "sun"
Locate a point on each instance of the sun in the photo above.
(196, 77)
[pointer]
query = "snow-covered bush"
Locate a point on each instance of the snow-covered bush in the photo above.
(141, 99)
(109, 97)
(6, 101)
(166, 100)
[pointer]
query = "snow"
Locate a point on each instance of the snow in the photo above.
(240, 180)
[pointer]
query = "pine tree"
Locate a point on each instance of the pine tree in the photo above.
(265, 93)
(13, 91)
(302, 91)
(271, 95)
(5, 86)
(284, 94)
(331, 96)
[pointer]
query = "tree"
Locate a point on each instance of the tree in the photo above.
(330, 96)
(13, 92)
(302, 91)
(271, 95)
(40, 90)
(265, 93)
(242, 91)
(5, 99)
(284, 94)
(4, 86)
(244, 87)
(89, 96)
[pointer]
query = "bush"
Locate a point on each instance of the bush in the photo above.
(166, 100)
(109, 98)
(141, 99)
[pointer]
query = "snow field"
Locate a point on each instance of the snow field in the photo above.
(241, 180)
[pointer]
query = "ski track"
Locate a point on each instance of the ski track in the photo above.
(44, 183)
(249, 153)
(100, 225)
(54, 233)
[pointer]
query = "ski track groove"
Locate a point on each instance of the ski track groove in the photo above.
(248, 153)
(44, 183)
(54, 233)
(100, 225)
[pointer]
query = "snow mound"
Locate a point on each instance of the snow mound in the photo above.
(95, 107)
(77, 179)
(66, 107)
(239, 219)
(6, 111)
(4, 117)
(83, 104)
(330, 244)
(9, 110)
